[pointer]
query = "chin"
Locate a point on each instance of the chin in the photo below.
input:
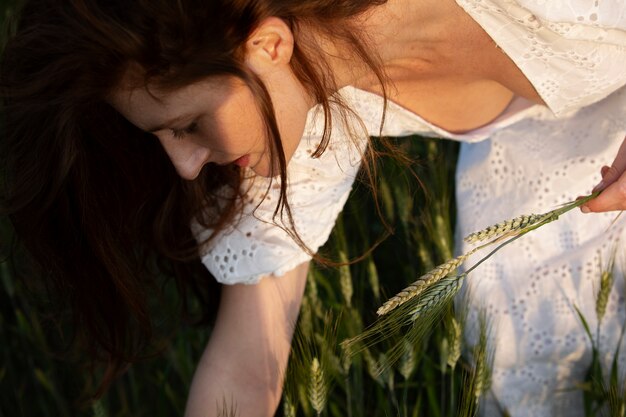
(263, 167)
(264, 170)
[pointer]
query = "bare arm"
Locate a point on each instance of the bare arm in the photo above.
(245, 360)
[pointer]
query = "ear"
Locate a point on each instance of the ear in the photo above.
(269, 46)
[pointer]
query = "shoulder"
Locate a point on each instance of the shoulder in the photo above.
(599, 14)
(573, 52)
(605, 14)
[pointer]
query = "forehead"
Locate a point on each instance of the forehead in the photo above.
(135, 86)
(148, 103)
(135, 83)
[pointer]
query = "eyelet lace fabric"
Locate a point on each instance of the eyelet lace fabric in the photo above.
(529, 160)
(259, 244)
(572, 51)
(531, 289)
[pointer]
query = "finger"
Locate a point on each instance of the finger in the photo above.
(603, 171)
(602, 184)
(612, 198)
(612, 173)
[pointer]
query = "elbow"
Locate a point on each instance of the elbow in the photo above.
(243, 394)
(265, 388)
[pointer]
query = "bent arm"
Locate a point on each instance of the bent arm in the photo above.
(244, 362)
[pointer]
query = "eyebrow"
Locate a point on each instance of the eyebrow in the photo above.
(166, 124)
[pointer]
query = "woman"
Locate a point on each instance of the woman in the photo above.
(238, 91)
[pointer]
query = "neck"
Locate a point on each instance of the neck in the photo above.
(398, 33)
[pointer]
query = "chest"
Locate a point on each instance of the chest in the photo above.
(454, 104)
(463, 83)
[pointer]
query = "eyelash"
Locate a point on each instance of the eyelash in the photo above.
(180, 133)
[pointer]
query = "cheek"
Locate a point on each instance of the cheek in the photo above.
(237, 124)
(242, 129)
(241, 132)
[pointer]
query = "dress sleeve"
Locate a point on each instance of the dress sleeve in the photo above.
(572, 51)
(256, 245)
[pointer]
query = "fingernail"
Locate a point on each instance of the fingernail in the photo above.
(585, 209)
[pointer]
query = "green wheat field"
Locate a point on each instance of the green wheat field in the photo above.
(429, 377)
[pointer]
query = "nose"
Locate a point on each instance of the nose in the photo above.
(187, 157)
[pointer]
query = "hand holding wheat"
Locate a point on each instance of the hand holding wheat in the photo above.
(613, 186)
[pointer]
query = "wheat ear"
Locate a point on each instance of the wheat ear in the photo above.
(317, 387)
(98, 409)
(439, 293)
(505, 227)
(454, 340)
(289, 409)
(606, 283)
(409, 360)
(422, 283)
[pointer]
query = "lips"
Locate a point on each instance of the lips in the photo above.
(242, 162)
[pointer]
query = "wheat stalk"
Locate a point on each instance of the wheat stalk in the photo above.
(289, 408)
(483, 359)
(409, 360)
(317, 387)
(372, 367)
(481, 377)
(454, 341)
(425, 297)
(439, 293)
(372, 274)
(346, 358)
(506, 227)
(98, 409)
(606, 283)
(227, 409)
(345, 279)
(422, 283)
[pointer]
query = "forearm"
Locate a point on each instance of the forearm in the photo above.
(222, 386)
(244, 363)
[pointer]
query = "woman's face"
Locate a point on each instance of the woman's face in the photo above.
(215, 120)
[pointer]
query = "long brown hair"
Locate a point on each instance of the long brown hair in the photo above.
(94, 199)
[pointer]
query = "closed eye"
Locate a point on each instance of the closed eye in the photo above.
(181, 133)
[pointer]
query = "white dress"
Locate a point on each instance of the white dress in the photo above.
(529, 160)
